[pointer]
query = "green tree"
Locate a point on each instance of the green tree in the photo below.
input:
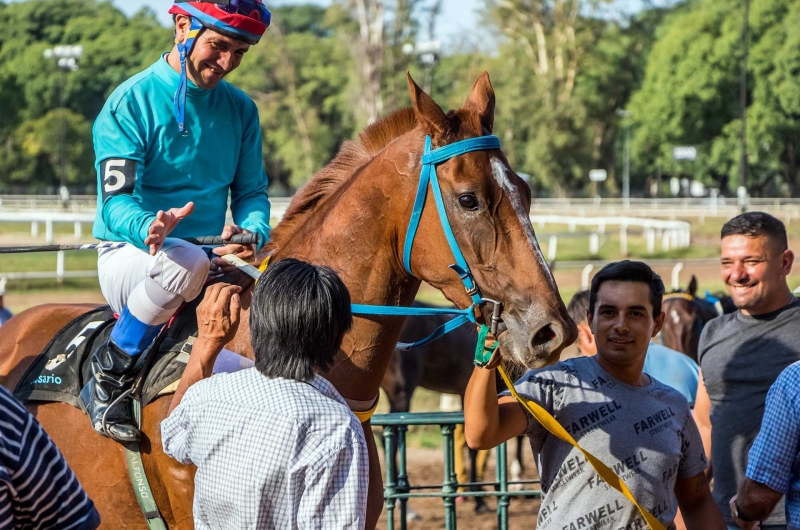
(35, 146)
(561, 74)
(115, 47)
(690, 96)
(298, 77)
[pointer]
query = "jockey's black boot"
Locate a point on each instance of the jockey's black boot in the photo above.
(112, 374)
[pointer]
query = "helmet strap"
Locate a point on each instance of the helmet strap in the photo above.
(184, 49)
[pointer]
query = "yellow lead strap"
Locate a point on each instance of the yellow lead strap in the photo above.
(555, 428)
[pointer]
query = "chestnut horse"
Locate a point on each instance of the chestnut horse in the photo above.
(352, 216)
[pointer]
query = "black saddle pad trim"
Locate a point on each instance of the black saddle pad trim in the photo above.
(25, 390)
(39, 383)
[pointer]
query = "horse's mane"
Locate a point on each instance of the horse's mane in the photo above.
(352, 156)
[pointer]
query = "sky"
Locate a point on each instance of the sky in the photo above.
(457, 17)
(458, 14)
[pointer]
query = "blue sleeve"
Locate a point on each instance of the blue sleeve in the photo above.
(249, 202)
(774, 451)
(119, 143)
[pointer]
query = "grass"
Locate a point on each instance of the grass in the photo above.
(74, 260)
(24, 229)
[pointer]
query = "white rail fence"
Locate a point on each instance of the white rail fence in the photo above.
(656, 219)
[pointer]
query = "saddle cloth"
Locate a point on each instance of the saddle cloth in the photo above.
(63, 367)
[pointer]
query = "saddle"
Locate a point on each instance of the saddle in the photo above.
(62, 369)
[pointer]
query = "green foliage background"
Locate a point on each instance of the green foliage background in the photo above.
(558, 90)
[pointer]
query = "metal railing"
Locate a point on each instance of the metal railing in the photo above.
(398, 489)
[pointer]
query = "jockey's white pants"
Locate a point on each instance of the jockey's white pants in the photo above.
(152, 287)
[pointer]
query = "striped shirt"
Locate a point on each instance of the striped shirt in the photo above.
(270, 453)
(37, 488)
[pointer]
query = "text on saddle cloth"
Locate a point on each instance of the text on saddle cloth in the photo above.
(62, 369)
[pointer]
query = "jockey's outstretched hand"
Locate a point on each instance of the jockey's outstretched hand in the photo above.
(218, 315)
(164, 223)
(244, 252)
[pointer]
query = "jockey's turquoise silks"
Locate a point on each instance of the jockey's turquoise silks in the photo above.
(144, 164)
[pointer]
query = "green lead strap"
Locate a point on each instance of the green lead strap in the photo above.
(483, 354)
(141, 486)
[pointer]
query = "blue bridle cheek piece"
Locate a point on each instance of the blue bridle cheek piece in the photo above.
(430, 159)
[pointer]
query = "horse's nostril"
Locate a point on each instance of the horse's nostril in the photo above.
(543, 336)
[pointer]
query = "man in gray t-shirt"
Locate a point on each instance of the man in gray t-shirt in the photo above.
(741, 354)
(642, 429)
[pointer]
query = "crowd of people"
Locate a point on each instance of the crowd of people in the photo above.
(276, 446)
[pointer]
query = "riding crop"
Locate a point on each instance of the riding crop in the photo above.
(236, 239)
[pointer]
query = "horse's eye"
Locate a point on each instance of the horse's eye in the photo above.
(468, 201)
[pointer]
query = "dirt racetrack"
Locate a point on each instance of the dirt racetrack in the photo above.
(425, 467)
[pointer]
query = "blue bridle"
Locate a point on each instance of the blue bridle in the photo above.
(430, 159)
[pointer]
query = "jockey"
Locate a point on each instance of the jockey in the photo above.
(172, 140)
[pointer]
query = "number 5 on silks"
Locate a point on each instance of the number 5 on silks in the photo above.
(119, 176)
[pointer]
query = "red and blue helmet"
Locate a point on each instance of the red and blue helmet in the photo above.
(245, 20)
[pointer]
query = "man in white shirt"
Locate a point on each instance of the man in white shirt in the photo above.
(275, 445)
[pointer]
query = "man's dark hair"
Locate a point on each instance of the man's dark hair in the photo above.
(299, 314)
(578, 306)
(629, 271)
(757, 224)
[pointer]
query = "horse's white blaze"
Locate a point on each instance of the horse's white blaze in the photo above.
(501, 177)
(676, 318)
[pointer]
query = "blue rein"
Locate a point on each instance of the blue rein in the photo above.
(428, 175)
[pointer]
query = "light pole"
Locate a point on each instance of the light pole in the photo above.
(67, 61)
(626, 158)
(742, 191)
(428, 55)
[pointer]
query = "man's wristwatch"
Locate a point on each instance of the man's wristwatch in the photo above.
(739, 515)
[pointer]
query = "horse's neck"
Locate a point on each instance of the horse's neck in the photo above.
(357, 236)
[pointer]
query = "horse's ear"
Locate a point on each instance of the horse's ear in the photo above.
(429, 115)
(692, 289)
(481, 102)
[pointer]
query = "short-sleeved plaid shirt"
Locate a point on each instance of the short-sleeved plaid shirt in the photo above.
(270, 453)
(774, 459)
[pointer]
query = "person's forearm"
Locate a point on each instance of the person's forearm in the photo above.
(704, 515)
(702, 417)
(124, 216)
(481, 410)
(756, 501)
(200, 365)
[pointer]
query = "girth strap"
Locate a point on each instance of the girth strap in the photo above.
(141, 486)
